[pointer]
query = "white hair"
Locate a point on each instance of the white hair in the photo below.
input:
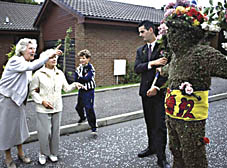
(22, 45)
(47, 53)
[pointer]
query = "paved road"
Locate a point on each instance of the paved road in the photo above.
(107, 103)
(117, 145)
(110, 103)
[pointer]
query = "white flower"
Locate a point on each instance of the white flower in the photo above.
(214, 27)
(224, 45)
(181, 87)
(225, 34)
(214, 22)
(205, 26)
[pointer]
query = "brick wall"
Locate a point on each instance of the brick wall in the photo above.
(56, 23)
(53, 28)
(107, 43)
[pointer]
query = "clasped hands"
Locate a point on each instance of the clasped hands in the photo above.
(79, 85)
(47, 104)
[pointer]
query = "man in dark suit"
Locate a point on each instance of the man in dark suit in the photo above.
(147, 60)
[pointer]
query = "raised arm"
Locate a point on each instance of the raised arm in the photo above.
(217, 63)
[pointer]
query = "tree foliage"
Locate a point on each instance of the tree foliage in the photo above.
(67, 46)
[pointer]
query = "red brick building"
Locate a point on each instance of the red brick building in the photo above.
(108, 29)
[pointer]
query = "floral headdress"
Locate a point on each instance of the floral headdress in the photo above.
(185, 14)
(186, 11)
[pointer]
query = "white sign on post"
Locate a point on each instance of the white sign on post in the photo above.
(119, 67)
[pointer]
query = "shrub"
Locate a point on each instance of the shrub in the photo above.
(131, 76)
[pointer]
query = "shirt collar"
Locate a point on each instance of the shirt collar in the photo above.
(152, 45)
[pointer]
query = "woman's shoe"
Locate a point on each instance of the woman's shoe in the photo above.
(53, 158)
(24, 159)
(10, 164)
(42, 159)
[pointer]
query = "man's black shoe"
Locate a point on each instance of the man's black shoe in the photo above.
(164, 164)
(81, 120)
(145, 153)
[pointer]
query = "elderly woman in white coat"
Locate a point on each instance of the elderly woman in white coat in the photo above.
(13, 95)
(46, 87)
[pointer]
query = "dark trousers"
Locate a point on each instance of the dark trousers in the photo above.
(154, 115)
(86, 103)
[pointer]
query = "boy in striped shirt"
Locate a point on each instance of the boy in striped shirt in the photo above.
(85, 74)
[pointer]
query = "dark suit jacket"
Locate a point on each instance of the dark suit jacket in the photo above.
(141, 67)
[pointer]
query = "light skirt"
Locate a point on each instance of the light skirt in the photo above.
(13, 124)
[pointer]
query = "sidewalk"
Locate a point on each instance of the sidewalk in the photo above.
(112, 106)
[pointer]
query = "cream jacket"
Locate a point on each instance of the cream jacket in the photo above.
(50, 86)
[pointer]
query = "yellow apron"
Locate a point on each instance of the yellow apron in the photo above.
(185, 107)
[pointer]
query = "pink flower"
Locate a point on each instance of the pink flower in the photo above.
(161, 52)
(162, 29)
(184, 85)
(189, 90)
(159, 37)
(170, 5)
(168, 12)
(226, 15)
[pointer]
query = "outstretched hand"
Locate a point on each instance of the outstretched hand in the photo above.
(58, 47)
(58, 51)
(80, 86)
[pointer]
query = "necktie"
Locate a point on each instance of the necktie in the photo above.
(149, 52)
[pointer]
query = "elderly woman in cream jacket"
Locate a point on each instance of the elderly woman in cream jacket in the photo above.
(46, 88)
(13, 96)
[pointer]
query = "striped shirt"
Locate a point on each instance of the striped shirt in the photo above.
(85, 74)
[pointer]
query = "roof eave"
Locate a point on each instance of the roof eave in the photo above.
(114, 20)
(17, 31)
